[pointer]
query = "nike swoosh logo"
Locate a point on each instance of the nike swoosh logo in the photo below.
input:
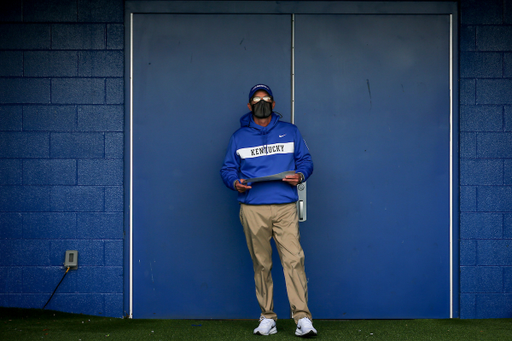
(282, 135)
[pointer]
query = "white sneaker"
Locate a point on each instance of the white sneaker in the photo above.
(305, 328)
(266, 327)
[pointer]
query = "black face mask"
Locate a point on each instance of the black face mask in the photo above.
(262, 109)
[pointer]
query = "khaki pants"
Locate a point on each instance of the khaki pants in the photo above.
(261, 223)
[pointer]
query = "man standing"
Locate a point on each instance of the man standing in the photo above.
(265, 146)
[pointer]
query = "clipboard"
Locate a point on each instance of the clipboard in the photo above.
(273, 177)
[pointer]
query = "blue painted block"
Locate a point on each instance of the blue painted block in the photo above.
(89, 304)
(495, 198)
(11, 11)
(507, 172)
(50, 64)
(481, 65)
(467, 145)
(90, 251)
(11, 226)
(78, 91)
(45, 280)
(467, 38)
(507, 279)
(494, 252)
(115, 36)
(49, 172)
(77, 198)
(481, 12)
(78, 37)
(49, 11)
(494, 38)
(101, 118)
(507, 15)
(481, 172)
(114, 305)
(49, 118)
(485, 279)
(29, 300)
(493, 306)
(467, 306)
(100, 279)
(100, 225)
(481, 225)
(115, 91)
(481, 118)
(114, 145)
(494, 91)
(100, 172)
(33, 252)
(468, 252)
(508, 118)
(5, 298)
(24, 145)
(507, 226)
(494, 145)
(467, 198)
(49, 225)
(507, 65)
(25, 36)
(24, 199)
(100, 11)
(114, 199)
(114, 252)
(24, 90)
(101, 64)
(77, 145)
(7, 256)
(467, 92)
(25, 252)
(11, 118)
(12, 64)
(10, 172)
(11, 279)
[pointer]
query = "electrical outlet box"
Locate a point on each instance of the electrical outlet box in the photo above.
(71, 259)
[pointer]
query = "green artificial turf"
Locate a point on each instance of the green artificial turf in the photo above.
(32, 324)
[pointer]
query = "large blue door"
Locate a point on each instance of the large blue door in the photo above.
(372, 100)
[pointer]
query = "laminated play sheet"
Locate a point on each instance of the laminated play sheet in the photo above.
(274, 177)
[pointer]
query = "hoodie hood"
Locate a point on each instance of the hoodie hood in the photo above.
(248, 121)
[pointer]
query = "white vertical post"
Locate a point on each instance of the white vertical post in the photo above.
(293, 71)
(131, 168)
(451, 165)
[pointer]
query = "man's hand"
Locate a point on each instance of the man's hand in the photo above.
(293, 179)
(240, 187)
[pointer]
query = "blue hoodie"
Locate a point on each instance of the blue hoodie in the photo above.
(256, 151)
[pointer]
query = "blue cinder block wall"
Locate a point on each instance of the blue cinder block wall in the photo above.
(61, 155)
(486, 158)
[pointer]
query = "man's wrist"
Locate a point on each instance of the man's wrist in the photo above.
(301, 179)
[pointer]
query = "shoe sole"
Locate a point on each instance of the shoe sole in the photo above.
(271, 332)
(311, 333)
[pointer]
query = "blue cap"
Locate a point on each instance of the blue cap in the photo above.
(259, 87)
